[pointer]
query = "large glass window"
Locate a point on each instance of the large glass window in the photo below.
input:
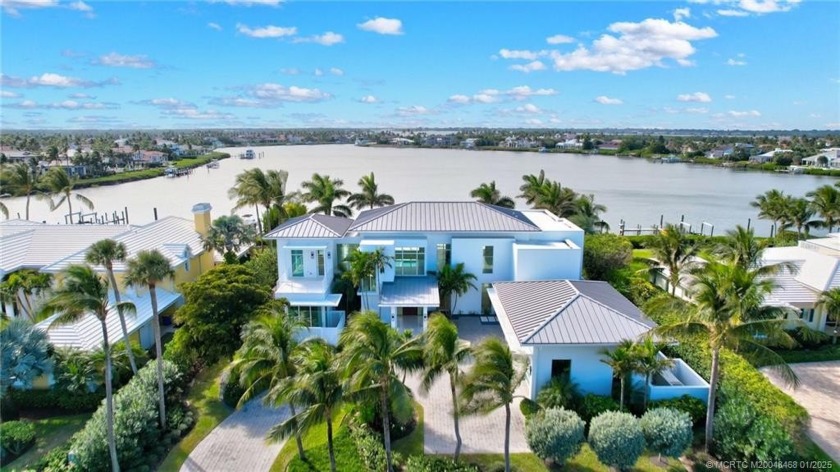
(410, 261)
(486, 305)
(306, 315)
(444, 255)
(807, 313)
(297, 262)
(488, 260)
(321, 262)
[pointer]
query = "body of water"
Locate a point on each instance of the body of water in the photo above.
(635, 190)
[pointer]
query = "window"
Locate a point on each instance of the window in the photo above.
(561, 368)
(488, 260)
(321, 262)
(297, 263)
(444, 255)
(486, 305)
(368, 284)
(807, 313)
(410, 261)
(307, 315)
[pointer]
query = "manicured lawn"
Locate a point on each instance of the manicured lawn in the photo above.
(413, 443)
(315, 447)
(50, 433)
(209, 412)
(642, 253)
(829, 352)
(585, 461)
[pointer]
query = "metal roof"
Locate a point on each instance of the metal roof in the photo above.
(817, 270)
(311, 226)
(410, 291)
(86, 333)
(443, 217)
(790, 290)
(569, 312)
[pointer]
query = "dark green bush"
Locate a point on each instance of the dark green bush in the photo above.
(592, 405)
(16, 437)
(742, 433)
(617, 439)
(667, 431)
(605, 253)
(56, 400)
(55, 460)
(695, 408)
(555, 433)
(231, 390)
(436, 464)
(559, 392)
(528, 407)
(369, 446)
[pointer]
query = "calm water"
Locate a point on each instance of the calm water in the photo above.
(635, 190)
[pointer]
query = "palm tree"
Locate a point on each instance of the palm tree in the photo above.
(830, 302)
(227, 235)
(4, 210)
(324, 191)
(149, 268)
(317, 388)
(647, 362)
(257, 187)
(455, 280)
(104, 253)
(60, 184)
(730, 313)
(533, 187)
(489, 194)
(800, 214)
(742, 247)
(443, 352)
(673, 252)
(492, 382)
(25, 354)
(771, 206)
(21, 180)
(557, 199)
(622, 362)
(265, 359)
(25, 284)
(80, 292)
(369, 197)
(825, 200)
(372, 353)
(587, 214)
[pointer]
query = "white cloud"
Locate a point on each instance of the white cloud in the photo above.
(83, 96)
(290, 71)
(289, 94)
(729, 97)
(50, 79)
(735, 62)
(523, 91)
(327, 39)
(700, 97)
(682, 13)
(65, 105)
(529, 67)
(119, 60)
(248, 3)
(214, 26)
(369, 99)
(8, 94)
(318, 72)
(196, 114)
(80, 6)
(767, 6)
(413, 111)
(559, 39)
(730, 12)
(528, 108)
(742, 114)
(13, 7)
(269, 31)
(534, 122)
(166, 102)
(605, 100)
(336, 71)
(486, 96)
(380, 25)
(834, 125)
(697, 110)
(520, 54)
(459, 99)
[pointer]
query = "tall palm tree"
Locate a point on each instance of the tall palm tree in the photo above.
(21, 180)
(81, 292)
(492, 381)
(104, 253)
(830, 302)
(647, 362)
(674, 252)
(227, 235)
(324, 192)
(771, 206)
(369, 197)
(741, 247)
(825, 200)
(317, 388)
(257, 187)
(63, 186)
(372, 353)
(557, 199)
(800, 214)
(587, 214)
(730, 313)
(489, 194)
(455, 280)
(26, 284)
(622, 362)
(265, 359)
(533, 187)
(149, 268)
(443, 352)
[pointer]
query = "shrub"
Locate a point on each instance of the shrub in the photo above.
(231, 390)
(369, 446)
(593, 405)
(742, 433)
(528, 407)
(56, 399)
(55, 460)
(16, 437)
(695, 408)
(559, 392)
(436, 464)
(617, 439)
(555, 434)
(604, 253)
(667, 431)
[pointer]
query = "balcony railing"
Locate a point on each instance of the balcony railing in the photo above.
(333, 323)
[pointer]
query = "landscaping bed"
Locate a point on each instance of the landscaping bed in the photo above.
(50, 433)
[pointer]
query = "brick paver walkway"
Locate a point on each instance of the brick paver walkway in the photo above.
(817, 392)
(238, 443)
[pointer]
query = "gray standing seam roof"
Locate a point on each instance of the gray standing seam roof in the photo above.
(570, 312)
(443, 217)
(410, 291)
(311, 226)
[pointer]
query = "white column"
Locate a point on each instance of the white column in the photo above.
(425, 318)
(394, 317)
(533, 366)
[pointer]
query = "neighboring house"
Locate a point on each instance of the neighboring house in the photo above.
(768, 156)
(573, 143)
(831, 155)
(564, 327)
(720, 152)
(148, 158)
(612, 145)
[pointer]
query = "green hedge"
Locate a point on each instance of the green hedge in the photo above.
(695, 408)
(16, 437)
(370, 447)
(56, 400)
(436, 464)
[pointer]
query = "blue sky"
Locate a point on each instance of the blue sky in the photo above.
(724, 64)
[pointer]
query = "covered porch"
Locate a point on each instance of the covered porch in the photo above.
(408, 301)
(319, 318)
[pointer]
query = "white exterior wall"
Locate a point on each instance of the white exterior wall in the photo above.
(546, 263)
(470, 252)
(591, 375)
(310, 278)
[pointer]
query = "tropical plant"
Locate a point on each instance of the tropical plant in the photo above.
(443, 352)
(82, 292)
(362, 266)
(317, 388)
(21, 180)
(667, 431)
(369, 197)
(257, 187)
(557, 199)
(674, 252)
(16, 437)
(372, 353)
(492, 381)
(149, 268)
(605, 254)
(25, 354)
(533, 187)
(825, 200)
(265, 360)
(555, 433)
(800, 213)
(61, 185)
(324, 192)
(227, 235)
(25, 286)
(559, 392)
(104, 253)
(617, 439)
(830, 302)
(623, 363)
(648, 362)
(587, 214)
(771, 206)
(453, 282)
(744, 433)
(489, 194)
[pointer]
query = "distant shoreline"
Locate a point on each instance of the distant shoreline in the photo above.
(145, 174)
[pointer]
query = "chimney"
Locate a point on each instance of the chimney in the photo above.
(201, 216)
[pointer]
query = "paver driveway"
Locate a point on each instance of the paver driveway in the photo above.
(238, 443)
(817, 392)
